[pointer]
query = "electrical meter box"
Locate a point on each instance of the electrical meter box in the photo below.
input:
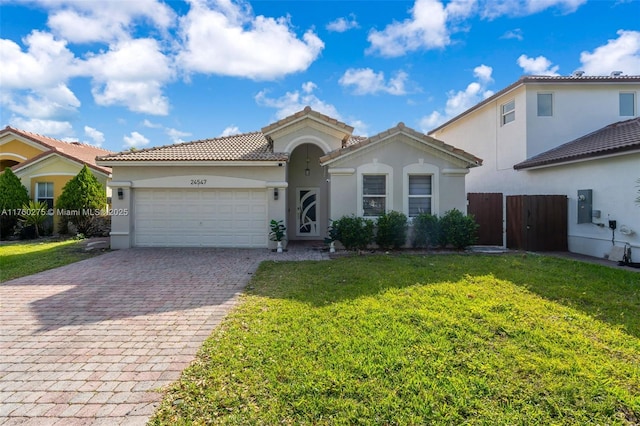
(585, 205)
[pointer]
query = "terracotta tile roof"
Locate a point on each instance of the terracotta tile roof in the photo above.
(80, 152)
(532, 79)
(242, 147)
(357, 143)
(614, 138)
(307, 111)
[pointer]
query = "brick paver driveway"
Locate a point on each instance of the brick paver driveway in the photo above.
(94, 342)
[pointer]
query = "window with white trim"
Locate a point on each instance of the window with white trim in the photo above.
(420, 193)
(508, 111)
(44, 193)
(374, 195)
(627, 104)
(545, 105)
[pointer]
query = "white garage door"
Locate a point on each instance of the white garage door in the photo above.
(200, 218)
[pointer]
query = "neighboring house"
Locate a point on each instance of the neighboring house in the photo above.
(305, 169)
(557, 136)
(45, 165)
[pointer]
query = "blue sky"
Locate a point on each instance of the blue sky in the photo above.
(149, 72)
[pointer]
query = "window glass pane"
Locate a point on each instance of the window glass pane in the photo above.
(419, 205)
(373, 206)
(49, 189)
(374, 185)
(509, 106)
(42, 190)
(545, 105)
(627, 104)
(419, 185)
(509, 112)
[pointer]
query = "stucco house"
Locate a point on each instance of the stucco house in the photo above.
(305, 169)
(44, 164)
(576, 136)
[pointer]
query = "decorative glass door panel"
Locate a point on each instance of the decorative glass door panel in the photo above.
(306, 212)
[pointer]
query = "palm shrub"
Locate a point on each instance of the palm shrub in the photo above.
(34, 213)
(355, 233)
(392, 230)
(638, 199)
(13, 195)
(84, 195)
(458, 229)
(426, 230)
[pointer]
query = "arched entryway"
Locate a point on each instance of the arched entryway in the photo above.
(307, 201)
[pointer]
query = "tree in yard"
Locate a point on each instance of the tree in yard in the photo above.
(13, 195)
(83, 195)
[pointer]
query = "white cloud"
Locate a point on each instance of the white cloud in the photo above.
(537, 66)
(176, 135)
(227, 39)
(43, 127)
(309, 87)
(150, 124)
(425, 29)
(231, 130)
(132, 74)
(135, 140)
(366, 82)
(95, 135)
(341, 24)
(494, 9)
(81, 21)
(461, 100)
(621, 54)
(513, 34)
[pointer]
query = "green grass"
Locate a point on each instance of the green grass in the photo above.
(444, 339)
(19, 259)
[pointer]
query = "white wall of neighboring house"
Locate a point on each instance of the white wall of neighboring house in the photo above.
(613, 182)
(578, 109)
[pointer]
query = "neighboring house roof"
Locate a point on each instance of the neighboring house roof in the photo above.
(242, 147)
(615, 138)
(355, 145)
(543, 79)
(79, 152)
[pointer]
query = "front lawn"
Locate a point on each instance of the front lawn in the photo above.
(19, 259)
(440, 339)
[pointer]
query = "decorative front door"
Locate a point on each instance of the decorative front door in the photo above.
(307, 212)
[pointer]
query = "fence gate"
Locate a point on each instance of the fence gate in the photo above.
(487, 211)
(537, 222)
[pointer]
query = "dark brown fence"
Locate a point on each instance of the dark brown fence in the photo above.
(537, 222)
(487, 211)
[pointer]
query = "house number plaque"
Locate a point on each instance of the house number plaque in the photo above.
(198, 182)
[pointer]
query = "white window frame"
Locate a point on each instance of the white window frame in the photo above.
(421, 168)
(375, 168)
(633, 105)
(505, 114)
(47, 195)
(538, 104)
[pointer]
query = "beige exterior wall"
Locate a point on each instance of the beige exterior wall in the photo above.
(57, 170)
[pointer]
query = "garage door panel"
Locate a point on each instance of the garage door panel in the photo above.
(202, 217)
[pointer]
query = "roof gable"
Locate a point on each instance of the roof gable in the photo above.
(308, 117)
(79, 152)
(438, 145)
(616, 138)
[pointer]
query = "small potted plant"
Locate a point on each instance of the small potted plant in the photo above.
(278, 232)
(332, 237)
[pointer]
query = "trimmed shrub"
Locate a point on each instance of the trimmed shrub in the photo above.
(426, 231)
(13, 195)
(84, 194)
(457, 229)
(392, 230)
(355, 233)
